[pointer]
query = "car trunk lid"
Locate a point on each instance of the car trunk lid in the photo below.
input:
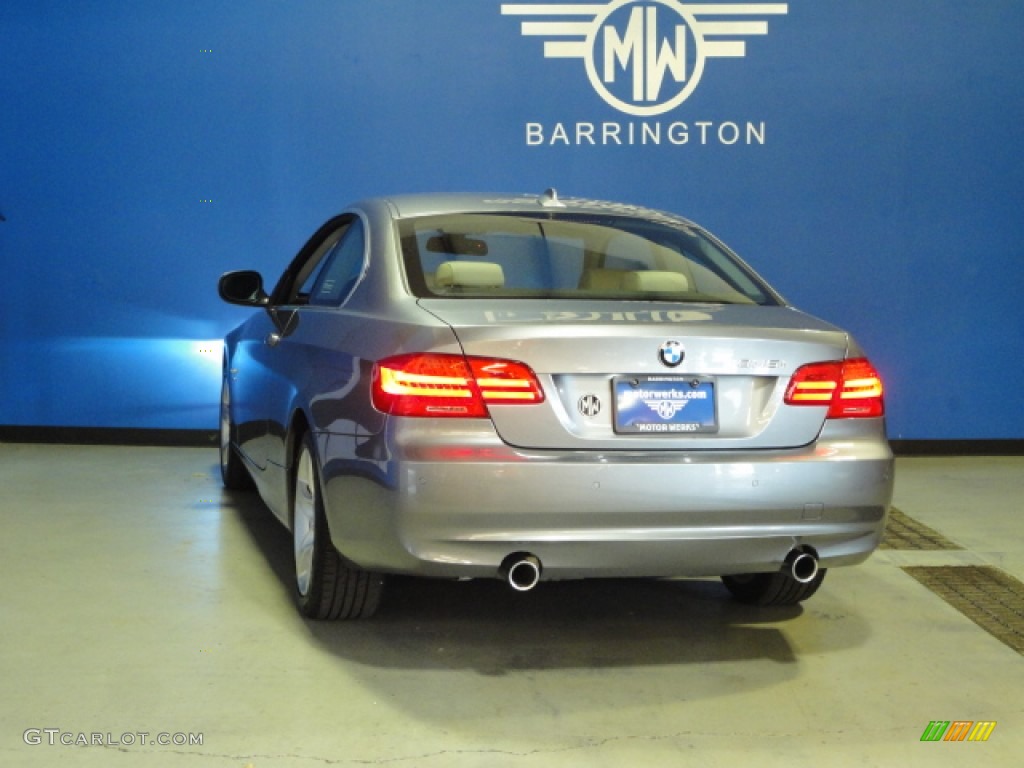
(609, 387)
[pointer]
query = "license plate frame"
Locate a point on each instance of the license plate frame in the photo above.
(664, 405)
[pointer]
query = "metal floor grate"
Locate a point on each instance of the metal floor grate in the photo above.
(990, 598)
(904, 532)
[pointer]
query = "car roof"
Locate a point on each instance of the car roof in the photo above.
(414, 205)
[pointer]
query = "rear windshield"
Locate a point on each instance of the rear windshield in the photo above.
(572, 256)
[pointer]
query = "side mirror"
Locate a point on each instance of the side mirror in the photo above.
(244, 287)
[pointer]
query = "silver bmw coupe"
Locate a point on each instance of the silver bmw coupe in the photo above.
(533, 388)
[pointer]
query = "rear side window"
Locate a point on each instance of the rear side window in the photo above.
(341, 269)
(572, 256)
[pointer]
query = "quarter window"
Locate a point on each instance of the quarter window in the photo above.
(341, 268)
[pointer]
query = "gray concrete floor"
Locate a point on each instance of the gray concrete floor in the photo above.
(139, 598)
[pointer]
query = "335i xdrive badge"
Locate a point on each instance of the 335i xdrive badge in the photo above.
(420, 393)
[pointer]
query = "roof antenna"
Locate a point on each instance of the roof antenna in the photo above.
(550, 199)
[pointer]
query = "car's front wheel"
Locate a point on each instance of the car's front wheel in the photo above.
(778, 588)
(233, 473)
(326, 587)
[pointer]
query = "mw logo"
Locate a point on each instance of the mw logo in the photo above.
(644, 52)
(644, 57)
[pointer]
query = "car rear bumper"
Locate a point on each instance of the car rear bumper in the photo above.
(456, 505)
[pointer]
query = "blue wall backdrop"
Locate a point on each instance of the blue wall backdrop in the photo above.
(865, 155)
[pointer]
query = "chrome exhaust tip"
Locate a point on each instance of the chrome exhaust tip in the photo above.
(802, 564)
(521, 570)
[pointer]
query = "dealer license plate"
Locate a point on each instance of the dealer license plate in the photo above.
(664, 405)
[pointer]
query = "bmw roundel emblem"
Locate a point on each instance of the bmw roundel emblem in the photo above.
(671, 353)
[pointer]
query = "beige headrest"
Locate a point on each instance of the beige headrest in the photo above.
(602, 279)
(654, 281)
(469, 274)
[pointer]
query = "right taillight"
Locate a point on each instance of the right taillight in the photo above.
(436, 385)
(852, 389)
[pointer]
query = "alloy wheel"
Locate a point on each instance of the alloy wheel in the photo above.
(304, 521)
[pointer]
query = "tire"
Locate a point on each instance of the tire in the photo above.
(233, 473)
(326, 587)
(777, 588)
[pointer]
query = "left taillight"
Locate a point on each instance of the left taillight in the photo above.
(441, 385)
(852, 389)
